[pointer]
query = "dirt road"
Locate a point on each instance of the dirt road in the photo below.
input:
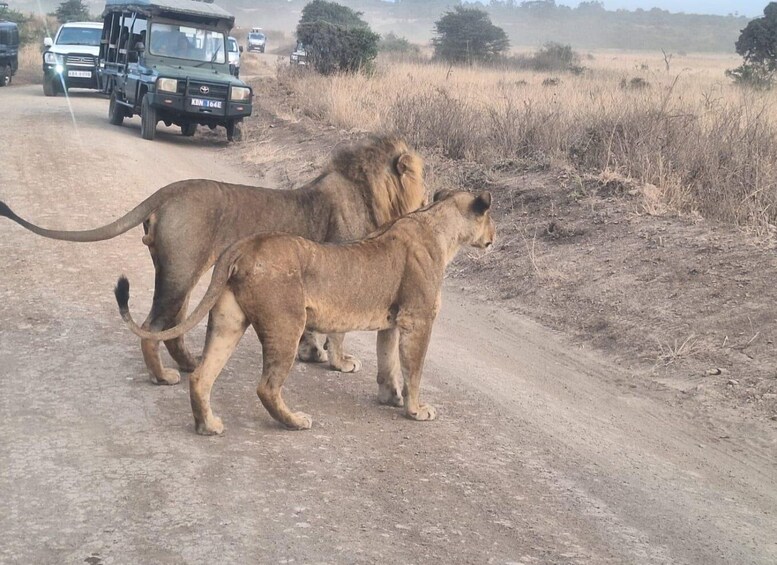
(542, 453)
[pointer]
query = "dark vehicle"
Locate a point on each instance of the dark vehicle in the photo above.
(166, 60)
(70, 59)
(300, 55)
(9, 51)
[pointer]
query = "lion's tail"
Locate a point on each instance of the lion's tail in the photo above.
(221, 272)
(128, 221)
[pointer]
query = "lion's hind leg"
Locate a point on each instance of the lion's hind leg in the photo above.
(413, 344)
(177, 346)
(279, 348)
(389, 369)
(226, 325)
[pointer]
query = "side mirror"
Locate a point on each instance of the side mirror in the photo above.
(140, 47)
(48, 42)
(241, 48)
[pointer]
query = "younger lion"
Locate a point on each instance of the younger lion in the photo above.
(188, 224)
(283, 285)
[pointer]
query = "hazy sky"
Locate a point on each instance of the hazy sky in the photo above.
(743, 7)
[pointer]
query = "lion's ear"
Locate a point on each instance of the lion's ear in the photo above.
(404, 163)
(482, 203)
(442, 194)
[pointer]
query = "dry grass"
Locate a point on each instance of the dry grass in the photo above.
(704, 145)
(30, 65)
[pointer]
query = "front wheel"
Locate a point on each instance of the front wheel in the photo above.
(5, 76)
(234, 131)
(189, 129)
(115, 111)
(49, 86)
(147, 118)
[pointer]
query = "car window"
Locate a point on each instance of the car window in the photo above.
(79, 36)
(183, 42)
(233, 46)
(255, 36)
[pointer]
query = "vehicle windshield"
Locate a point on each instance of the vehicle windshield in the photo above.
(183, 42)
(79, 36)
(255, 36)
(232, 45)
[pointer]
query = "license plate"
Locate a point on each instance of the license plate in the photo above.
(80, 74)
(206, 103)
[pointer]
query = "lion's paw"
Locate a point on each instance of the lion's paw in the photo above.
(424, 412)
(213, 427)
(349, 364)
(190, 364)
(168, 377)
(389, 396)
(300, 421)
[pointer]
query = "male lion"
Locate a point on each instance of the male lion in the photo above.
(283, 285)
(189, 223)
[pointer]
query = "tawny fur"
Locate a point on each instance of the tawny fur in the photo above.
(188, 224)
(283, 285)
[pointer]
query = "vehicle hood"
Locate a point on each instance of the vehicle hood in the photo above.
(67, 49)
(256, 40)
(204, 74)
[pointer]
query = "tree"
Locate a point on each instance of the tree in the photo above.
(465, 35)
(331, 12)
(72, 11)
(757, 44)
(336, 38)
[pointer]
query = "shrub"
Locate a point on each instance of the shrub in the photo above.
(756, 44)
(391, 43)
(336, 38)
(551, 57)
(555, 57)
(72, 11)
(752, 75)
(637, 83)
(466, 35)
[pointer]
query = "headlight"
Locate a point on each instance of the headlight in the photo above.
(239, 93)
(167, 84)
(51, 58)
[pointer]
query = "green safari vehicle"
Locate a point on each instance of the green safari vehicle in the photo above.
(166, 60)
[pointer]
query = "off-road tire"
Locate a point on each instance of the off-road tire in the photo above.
(5, 76)
(50, 87)
(234, 131)
(148, 119)
(116, 113)
(188, 130)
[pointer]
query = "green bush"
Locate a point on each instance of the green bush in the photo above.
(72, 11)
(391, 43)
(466, 35)
(752, 75)
(336, 38)
(757, 44)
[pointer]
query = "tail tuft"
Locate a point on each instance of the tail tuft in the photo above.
(122, 293)
(6, 211)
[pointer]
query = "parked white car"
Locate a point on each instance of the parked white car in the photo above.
(233, 53)
(70, 59)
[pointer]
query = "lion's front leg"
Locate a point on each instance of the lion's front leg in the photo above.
(338, 360)
(389, 368)
(226, 325)
(413, 343)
